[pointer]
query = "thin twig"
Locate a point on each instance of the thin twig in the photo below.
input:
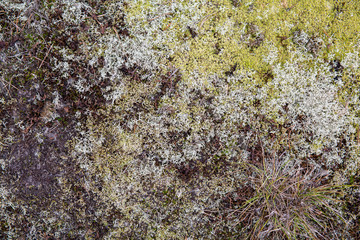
(167, 26)
(326, 34)
(35, 57)
(116, 32)
(205, 18)
(7, 90)
(28, 128)
(27, 22)
(173, 73)
(46, 55)
(17, 27)
(17, 21)
(9, 85)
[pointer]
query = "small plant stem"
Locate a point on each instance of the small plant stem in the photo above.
(167, 27)
(46, 55)
(116, 32)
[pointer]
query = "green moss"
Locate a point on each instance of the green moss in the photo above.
(113, 149)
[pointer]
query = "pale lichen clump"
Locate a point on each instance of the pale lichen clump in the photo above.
(151, 194)
(306, 101)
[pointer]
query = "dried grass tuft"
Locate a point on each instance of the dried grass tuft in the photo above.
(293, 205)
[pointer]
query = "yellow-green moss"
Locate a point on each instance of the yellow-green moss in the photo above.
(224, 33)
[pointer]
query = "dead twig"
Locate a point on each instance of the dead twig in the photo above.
(117, 34)
(326, 34)
(27, 22)
(16, 26)
(28, 128)
(7, 89)
(35, 57)
(173, 73)
(205, 18)
(46, 55)
(167, 27)
(9, 85)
